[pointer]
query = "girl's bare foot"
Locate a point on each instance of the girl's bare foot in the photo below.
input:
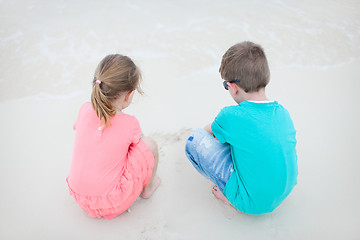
(151, 187)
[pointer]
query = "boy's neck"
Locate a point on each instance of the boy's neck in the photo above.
(256, 96)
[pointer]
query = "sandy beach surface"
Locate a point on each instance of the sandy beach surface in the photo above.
(49, 51)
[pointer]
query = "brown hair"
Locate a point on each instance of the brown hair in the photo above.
(116, 74)
(246, 61)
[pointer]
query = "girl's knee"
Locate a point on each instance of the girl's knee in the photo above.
(152, 145)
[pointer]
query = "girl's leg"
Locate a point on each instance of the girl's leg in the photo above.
(154, 181)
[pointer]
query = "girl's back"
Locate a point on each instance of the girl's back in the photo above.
(100, 156)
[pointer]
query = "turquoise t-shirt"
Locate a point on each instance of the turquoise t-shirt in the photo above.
(263, 140)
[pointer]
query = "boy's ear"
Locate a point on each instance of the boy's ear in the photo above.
(233, 87)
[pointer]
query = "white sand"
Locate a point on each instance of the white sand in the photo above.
(50, 50)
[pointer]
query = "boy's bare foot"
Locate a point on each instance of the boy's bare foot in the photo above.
(216, 191)
(151, 187)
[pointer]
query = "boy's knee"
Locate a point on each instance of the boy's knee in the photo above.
(191, 152)
(197, 134)
(189, 145)
(193, 141)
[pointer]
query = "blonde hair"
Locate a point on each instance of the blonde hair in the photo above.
(116, 74)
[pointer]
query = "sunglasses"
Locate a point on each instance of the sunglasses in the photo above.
(225, 83)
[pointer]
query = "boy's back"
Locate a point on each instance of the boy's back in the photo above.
(253, 158)
(262, 140)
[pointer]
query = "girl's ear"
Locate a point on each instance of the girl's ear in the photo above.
(129, 95)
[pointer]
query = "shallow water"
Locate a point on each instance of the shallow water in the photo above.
(50, 50)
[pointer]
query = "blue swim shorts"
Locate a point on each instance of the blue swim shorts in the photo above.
(211, 158)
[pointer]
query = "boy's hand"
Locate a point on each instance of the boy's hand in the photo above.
(209, 130)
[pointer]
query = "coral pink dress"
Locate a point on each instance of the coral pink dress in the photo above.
(109, 167)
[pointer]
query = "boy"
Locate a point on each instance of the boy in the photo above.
(249, 149)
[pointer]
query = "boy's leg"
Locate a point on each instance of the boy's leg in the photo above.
(211, 158)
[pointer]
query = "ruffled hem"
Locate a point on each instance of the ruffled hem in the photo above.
(110, 204)
(127, 190)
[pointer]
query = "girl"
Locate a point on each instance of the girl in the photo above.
(112, 163)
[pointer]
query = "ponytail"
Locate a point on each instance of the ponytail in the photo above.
(118, 75)
(101, 104)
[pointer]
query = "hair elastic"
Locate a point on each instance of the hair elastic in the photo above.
(98, 81)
